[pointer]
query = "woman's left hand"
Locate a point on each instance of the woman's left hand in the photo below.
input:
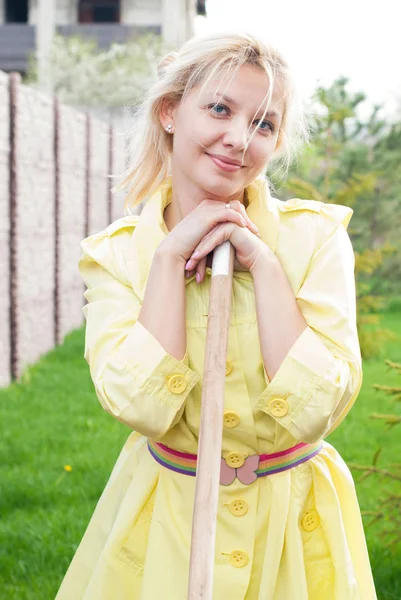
(248, 248)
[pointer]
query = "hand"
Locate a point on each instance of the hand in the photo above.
(185, 237)
(248, 247)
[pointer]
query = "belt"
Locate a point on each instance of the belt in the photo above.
(246, 469)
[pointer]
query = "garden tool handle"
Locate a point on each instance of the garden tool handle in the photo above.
(200, 586)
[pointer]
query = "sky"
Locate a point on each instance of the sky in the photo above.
(323, 39)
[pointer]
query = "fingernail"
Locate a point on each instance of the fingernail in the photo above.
(188, 263)
(198, 277)
(187, 274)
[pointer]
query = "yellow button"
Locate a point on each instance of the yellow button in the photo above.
(177, 384)
(231, 419)
(238, 558)
(235, 459)
(238, 508)
(229, 366)
(310, 520)
(278, 407)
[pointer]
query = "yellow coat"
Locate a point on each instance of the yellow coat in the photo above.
(300, 530)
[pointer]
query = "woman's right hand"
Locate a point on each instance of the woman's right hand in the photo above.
(186, 235)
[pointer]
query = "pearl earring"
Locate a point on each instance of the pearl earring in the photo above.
(169, 128)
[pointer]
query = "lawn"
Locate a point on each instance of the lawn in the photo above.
(358, 438)
(52, 420)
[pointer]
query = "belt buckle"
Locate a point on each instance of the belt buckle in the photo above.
(246, 473)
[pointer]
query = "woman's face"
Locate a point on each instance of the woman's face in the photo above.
(209, 124)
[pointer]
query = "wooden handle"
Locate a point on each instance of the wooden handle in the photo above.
(211, 425)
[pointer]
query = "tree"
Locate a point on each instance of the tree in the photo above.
(352, 161)
(85, 76)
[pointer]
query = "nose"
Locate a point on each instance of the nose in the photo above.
(236, 134)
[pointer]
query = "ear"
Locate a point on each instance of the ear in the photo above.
(167, 112)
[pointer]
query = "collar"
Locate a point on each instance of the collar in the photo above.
(151, 230)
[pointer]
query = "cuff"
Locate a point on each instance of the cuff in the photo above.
(300, 374)
(155, 371)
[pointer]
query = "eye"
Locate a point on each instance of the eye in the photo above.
(218, 109)
(214, 108)
(270, 125)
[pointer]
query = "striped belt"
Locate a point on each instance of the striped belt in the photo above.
(246, 469)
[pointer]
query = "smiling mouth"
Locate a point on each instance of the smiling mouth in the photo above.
(223, 165)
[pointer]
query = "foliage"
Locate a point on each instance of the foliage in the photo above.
(83, 75)
(352, 161)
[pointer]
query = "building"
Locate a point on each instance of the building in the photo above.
(106, 21)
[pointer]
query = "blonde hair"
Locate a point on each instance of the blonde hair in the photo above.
(197, 61)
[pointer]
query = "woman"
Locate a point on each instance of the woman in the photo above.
(288, 524)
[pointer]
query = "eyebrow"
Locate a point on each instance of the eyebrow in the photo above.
(271, 113)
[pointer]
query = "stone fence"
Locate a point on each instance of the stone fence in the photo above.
(55, 163)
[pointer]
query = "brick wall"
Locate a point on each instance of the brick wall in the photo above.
(55, 163)
(33, 226)
(71, 149)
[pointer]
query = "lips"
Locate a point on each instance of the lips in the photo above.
(224, 166)
(225, 159)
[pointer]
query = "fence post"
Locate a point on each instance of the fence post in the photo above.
(88, 172)
(14, 82)
(56, 115)
(110, 169)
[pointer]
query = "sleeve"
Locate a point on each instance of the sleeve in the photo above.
(135, 379)
(320, 378)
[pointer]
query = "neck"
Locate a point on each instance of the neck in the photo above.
(186, 196)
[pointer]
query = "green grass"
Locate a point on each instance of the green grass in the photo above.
(52, 418)
(357, 440)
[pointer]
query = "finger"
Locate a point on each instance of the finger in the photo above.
(217, 236)
(201, 269)
(207, 215)
(219, 214)
(192, 263)
(198, 254)
(237, 205)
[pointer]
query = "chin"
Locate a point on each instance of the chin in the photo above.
(223, 189)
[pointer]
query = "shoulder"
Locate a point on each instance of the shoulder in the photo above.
(117, 227)
(337, 213)
(125, 224)
(108, 247)
(328, 217)
(122, 227)
(296, 205)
